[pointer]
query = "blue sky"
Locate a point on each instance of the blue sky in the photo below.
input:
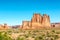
(13, 12)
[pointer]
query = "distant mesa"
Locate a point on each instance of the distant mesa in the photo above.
(56, 25)
(4, 27)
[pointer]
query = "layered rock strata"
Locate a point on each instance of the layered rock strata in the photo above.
(37, 22)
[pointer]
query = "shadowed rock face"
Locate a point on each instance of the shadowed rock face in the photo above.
(37, 22)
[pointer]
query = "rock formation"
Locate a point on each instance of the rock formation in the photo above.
(46, 21)
(55, 25)
(37, 22)
(3, 27)
(37, 18)
(6, 26)
(25, 24)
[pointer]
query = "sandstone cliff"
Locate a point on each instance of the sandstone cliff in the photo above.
(37, 22)
(46, 21)
(4, 27)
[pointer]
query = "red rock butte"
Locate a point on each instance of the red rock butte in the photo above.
(38, 21)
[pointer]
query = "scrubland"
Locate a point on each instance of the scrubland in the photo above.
(19, 34)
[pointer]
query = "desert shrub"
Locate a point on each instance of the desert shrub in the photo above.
(56, 37)
(21, 38)
(4, 36)
(26, 36)
(51, 38)
(53, 31)
(39, 38)
(57, 32)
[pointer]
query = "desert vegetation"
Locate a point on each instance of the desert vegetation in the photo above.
(17, 34)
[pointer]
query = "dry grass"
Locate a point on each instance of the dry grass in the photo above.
(42, 34)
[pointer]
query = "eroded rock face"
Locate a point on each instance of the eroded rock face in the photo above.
(3, 27)
(37, 22)
(46, 21)
(25, 24)
(6, 26)
(37, 18)
(34, 18)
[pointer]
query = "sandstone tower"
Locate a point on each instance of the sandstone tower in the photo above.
(46, 21)
(38, 21)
